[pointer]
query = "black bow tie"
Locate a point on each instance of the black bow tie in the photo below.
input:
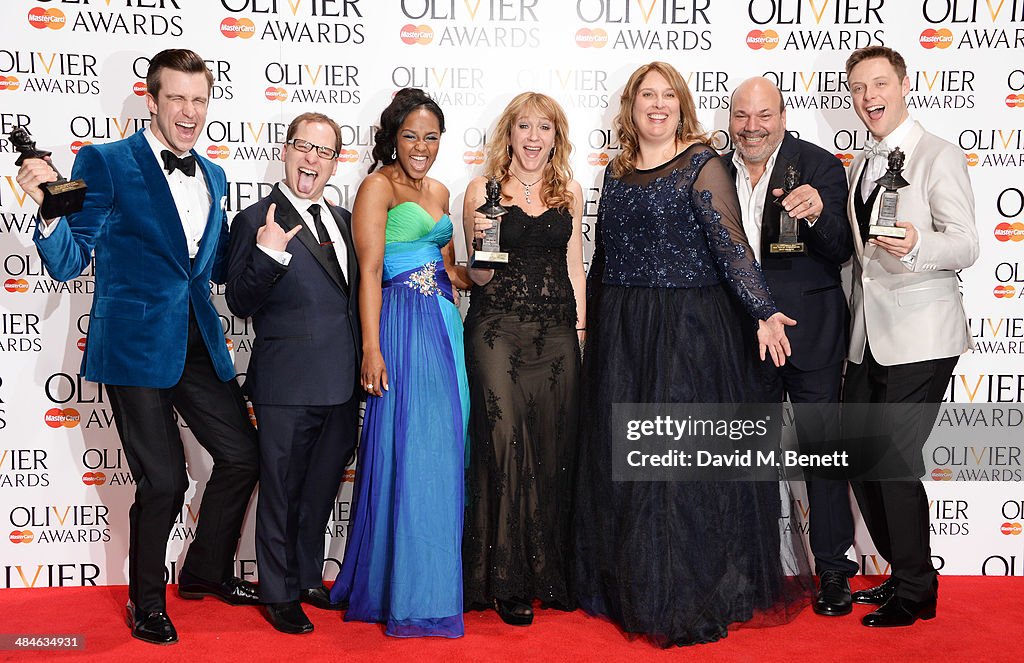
(187, 165)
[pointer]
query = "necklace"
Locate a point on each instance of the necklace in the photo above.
(526, 187)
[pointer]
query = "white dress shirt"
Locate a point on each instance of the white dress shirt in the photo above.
(191, 196)
(752, 197)
(301, 206)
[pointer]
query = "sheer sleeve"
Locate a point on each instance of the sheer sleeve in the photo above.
(717, 209)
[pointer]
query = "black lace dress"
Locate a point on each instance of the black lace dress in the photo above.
(673, 294)
(523, 361)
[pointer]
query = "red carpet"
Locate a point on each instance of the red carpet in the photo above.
(978, 619)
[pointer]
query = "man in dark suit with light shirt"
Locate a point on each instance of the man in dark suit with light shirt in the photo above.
(293, 270)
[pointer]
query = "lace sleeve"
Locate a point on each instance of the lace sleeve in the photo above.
(718, 211)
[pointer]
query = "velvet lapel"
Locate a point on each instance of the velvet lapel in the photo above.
(287, 217)
(161, 207)
(214, 220)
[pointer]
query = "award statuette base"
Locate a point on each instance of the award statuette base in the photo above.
(489, 259)
(786, 248)
(62, 198)
(887, 231)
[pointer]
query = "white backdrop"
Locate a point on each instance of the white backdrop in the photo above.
(73, 71)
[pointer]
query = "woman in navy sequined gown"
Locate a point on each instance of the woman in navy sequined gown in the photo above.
(673, 294)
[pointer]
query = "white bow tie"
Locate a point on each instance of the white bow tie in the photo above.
(874, 149)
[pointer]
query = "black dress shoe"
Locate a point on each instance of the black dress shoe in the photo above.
(833, 597)
(153, 627)
(899, 611)
(288, 617)
(320, 597)
(514, 613)
(233, 590)
(877, 595)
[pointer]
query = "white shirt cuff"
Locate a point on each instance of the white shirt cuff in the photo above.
(911, 256)
(46, 229)
(283, 257)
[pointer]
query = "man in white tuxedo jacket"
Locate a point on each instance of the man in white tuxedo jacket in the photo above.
(908, 322)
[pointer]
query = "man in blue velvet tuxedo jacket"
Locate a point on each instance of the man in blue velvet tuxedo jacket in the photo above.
(293, 270)
(154, 219)
(807, 287)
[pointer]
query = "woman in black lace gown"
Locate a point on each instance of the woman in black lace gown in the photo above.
(673, 296)
(523, 361)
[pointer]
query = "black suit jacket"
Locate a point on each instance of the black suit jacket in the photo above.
(807, 287)
(307, 349)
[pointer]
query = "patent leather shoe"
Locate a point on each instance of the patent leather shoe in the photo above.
(152, 627)
(877, 595)
(514, 613)
(899, 611)
(233, 591)
(288, 618)
(833, 599)
(320, 597)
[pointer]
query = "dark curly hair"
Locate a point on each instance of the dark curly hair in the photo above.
(405, 101)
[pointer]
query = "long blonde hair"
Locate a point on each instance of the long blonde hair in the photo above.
(688, 131)
(557, 172)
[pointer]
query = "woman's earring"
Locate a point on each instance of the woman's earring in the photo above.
(394, 155)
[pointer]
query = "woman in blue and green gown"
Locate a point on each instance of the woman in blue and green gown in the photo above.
(402, 564)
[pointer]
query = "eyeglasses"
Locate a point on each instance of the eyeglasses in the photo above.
(306, 146)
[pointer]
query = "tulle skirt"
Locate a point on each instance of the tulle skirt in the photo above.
(679, 562)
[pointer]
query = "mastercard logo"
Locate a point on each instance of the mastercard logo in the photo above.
(275, 93)
(931, 38)
(79, 144)
(94, 478)
(139, 89)
(587, 38)
(1015, 100)
(231, 344)
(471, 157)
(416, 34)
(348, 156)
(349, 476)
(766, 39)
(242, 28)
(41, 19)
(597, 159)
(26, 535)
(942, 474)
(9, 83)
(252, 414)
(1009, 232)
(846, 158)
(218, 152)
(1004, 292)
(81, 344)
(972, 159)
(1008, 529)
(16, 285)
(58, 418)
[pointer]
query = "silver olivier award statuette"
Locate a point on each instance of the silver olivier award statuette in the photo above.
(60, 198)
(789, 242)
(891, 183)
(487, 253)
